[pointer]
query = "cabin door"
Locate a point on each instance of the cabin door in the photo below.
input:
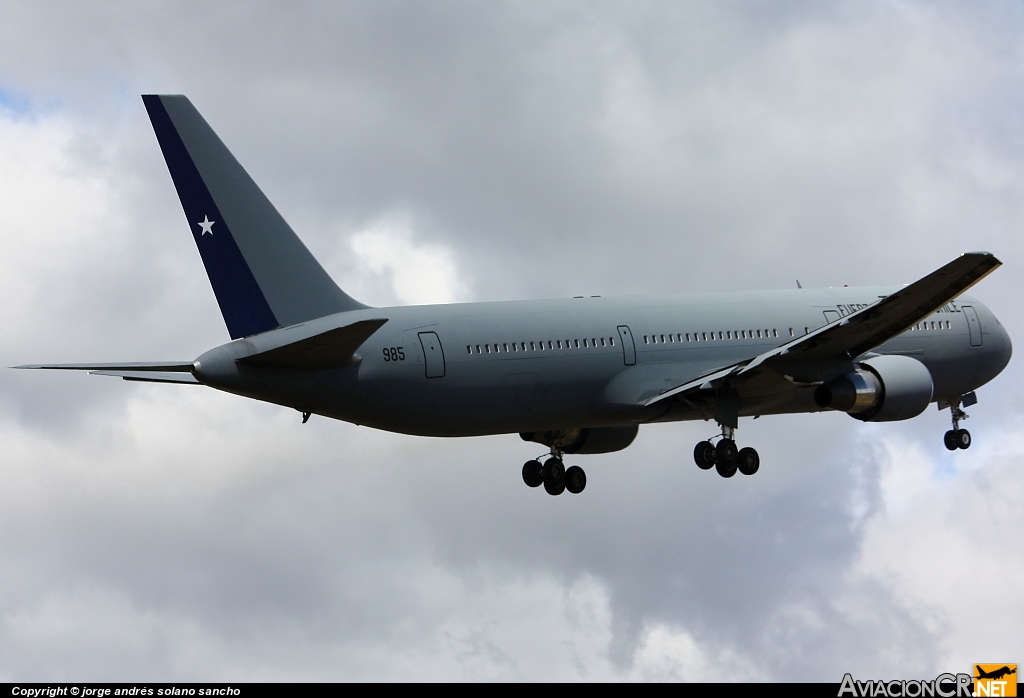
(433, 356)
(973, 324)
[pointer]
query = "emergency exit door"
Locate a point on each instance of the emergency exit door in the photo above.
(628, 348)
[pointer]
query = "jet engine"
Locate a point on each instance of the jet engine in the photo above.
(881, 389)
(594, 440)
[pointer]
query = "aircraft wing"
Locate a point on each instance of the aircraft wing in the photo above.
(860, 331)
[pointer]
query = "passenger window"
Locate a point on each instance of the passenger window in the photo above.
(469, 349)
(478, 349)
(791, 332)
(611, 341)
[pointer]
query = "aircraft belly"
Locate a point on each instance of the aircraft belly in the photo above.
(469, 399)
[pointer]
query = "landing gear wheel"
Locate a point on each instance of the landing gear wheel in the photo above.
(554, 476)
(575, 479)
(963, 439)
(725, 453)
(554, 487)
(949, 438)
(704, 455)
(554, 470)
(747, 461)
(726, 469)
(533, 474)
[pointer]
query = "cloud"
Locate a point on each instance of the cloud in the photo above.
(439, 152)
(418, 273)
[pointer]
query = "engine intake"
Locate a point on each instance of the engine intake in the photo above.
(881, 389)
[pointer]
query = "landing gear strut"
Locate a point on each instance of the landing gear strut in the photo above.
(724, 457)
(956, 437)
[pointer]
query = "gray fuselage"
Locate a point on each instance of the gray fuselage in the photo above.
(525, 366)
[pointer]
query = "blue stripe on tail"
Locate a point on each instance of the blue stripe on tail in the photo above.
(242, 303)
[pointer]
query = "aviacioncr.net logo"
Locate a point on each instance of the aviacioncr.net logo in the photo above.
(942, 686)
(995, 679)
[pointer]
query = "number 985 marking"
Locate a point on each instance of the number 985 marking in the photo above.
(394, 354)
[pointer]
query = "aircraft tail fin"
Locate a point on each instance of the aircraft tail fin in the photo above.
(262, 274)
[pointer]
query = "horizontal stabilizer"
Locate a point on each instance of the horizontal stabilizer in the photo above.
(138, 366)
(151, 376)
(329, 349)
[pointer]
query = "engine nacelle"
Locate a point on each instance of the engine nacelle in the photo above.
(594, 440)
(881, 389)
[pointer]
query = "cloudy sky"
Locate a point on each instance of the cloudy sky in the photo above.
(451, 151)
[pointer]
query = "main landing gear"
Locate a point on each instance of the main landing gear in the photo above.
(724, 456)
(553, 474)
(956, 437)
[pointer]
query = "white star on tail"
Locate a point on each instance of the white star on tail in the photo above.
(207, 225)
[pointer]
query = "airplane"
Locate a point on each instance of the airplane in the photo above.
(995, 674)
(576, 375)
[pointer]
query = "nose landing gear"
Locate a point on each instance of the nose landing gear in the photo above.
(724, 456)
(956, 437)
